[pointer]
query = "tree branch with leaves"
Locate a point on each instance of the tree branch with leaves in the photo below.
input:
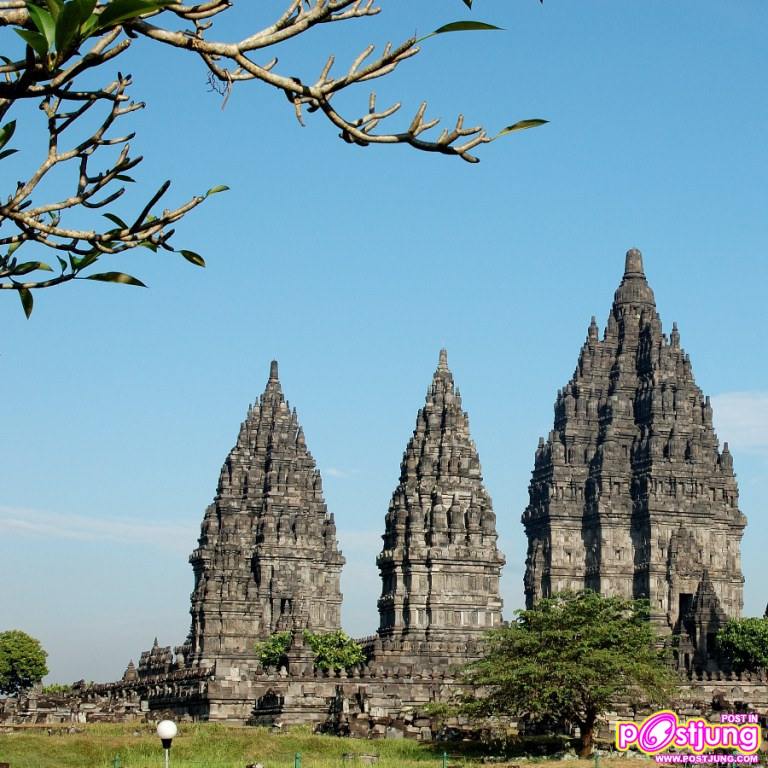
(65, 41)
(565, 661)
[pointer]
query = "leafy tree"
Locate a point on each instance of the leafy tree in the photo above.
(22, 662)
(272, 650)
(563, 662)
(57, 688)
(333, 650)
(65, 46)
(743, 643)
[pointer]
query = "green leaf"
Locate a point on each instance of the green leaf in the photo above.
(68, 27)
(44, 23)
(86, 9)
(6, 132)
(63, 263)
(7, 153)
(216, 189)
(194, 258)
(465, 26)
(79, 264)
(521, 125)
(461, 26)
(87, 19)
(116, 277)
(116, 220)
(31, 266)
(27, 301)
(148, 244)
(468, 3)
(119, 11)
(123, 177)
(87, 27)
(55, 6)
(35, 40)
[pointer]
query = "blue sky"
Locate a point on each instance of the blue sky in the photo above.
(354, 266)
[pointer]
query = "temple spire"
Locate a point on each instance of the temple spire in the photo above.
(634, 289)
(273, 392)
(440, 564)
(267, 556)
(630, 495)
(633, 263)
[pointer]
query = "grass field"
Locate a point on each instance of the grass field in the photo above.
(206, 745)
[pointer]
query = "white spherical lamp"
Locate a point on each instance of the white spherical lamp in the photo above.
(166, 730)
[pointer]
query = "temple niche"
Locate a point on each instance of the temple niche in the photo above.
(631, 493)
(440, 563)
(268, 558)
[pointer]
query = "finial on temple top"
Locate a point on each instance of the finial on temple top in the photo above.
(443, 363)
(634, 263)
(273, 370)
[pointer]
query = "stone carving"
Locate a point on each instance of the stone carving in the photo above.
(440, 564)
(268, 558)
(630, 494)
(698, 627)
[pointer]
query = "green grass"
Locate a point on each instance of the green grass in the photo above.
(208, 745)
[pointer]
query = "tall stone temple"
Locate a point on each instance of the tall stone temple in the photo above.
(440, 565)
(267, 559)
(630, 494)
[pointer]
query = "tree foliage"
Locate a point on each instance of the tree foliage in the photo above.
(743, 643)
(57, 689)
(562, 663)
(68, 45)
(22, 662)
(271, 652)
(333, 650)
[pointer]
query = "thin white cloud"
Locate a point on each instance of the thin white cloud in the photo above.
(32, 522)
(336, 472)
(741, 419)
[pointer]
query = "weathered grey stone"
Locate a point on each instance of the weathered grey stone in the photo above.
(630, 494)
(268, 558)
(440, 564)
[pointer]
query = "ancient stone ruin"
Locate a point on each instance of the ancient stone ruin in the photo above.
(440, 565)
(630, 495)
(268, 558)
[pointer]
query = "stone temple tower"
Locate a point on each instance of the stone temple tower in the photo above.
(631, 494)
(268, 558)
(440, 565)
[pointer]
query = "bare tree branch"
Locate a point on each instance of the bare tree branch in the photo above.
(51, 71)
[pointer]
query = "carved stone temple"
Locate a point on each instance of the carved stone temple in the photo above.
(268, 558)
(440, 565)
(630, 493)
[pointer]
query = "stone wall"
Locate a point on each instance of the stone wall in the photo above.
(369, 702)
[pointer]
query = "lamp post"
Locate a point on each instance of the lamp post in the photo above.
(166, 730)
